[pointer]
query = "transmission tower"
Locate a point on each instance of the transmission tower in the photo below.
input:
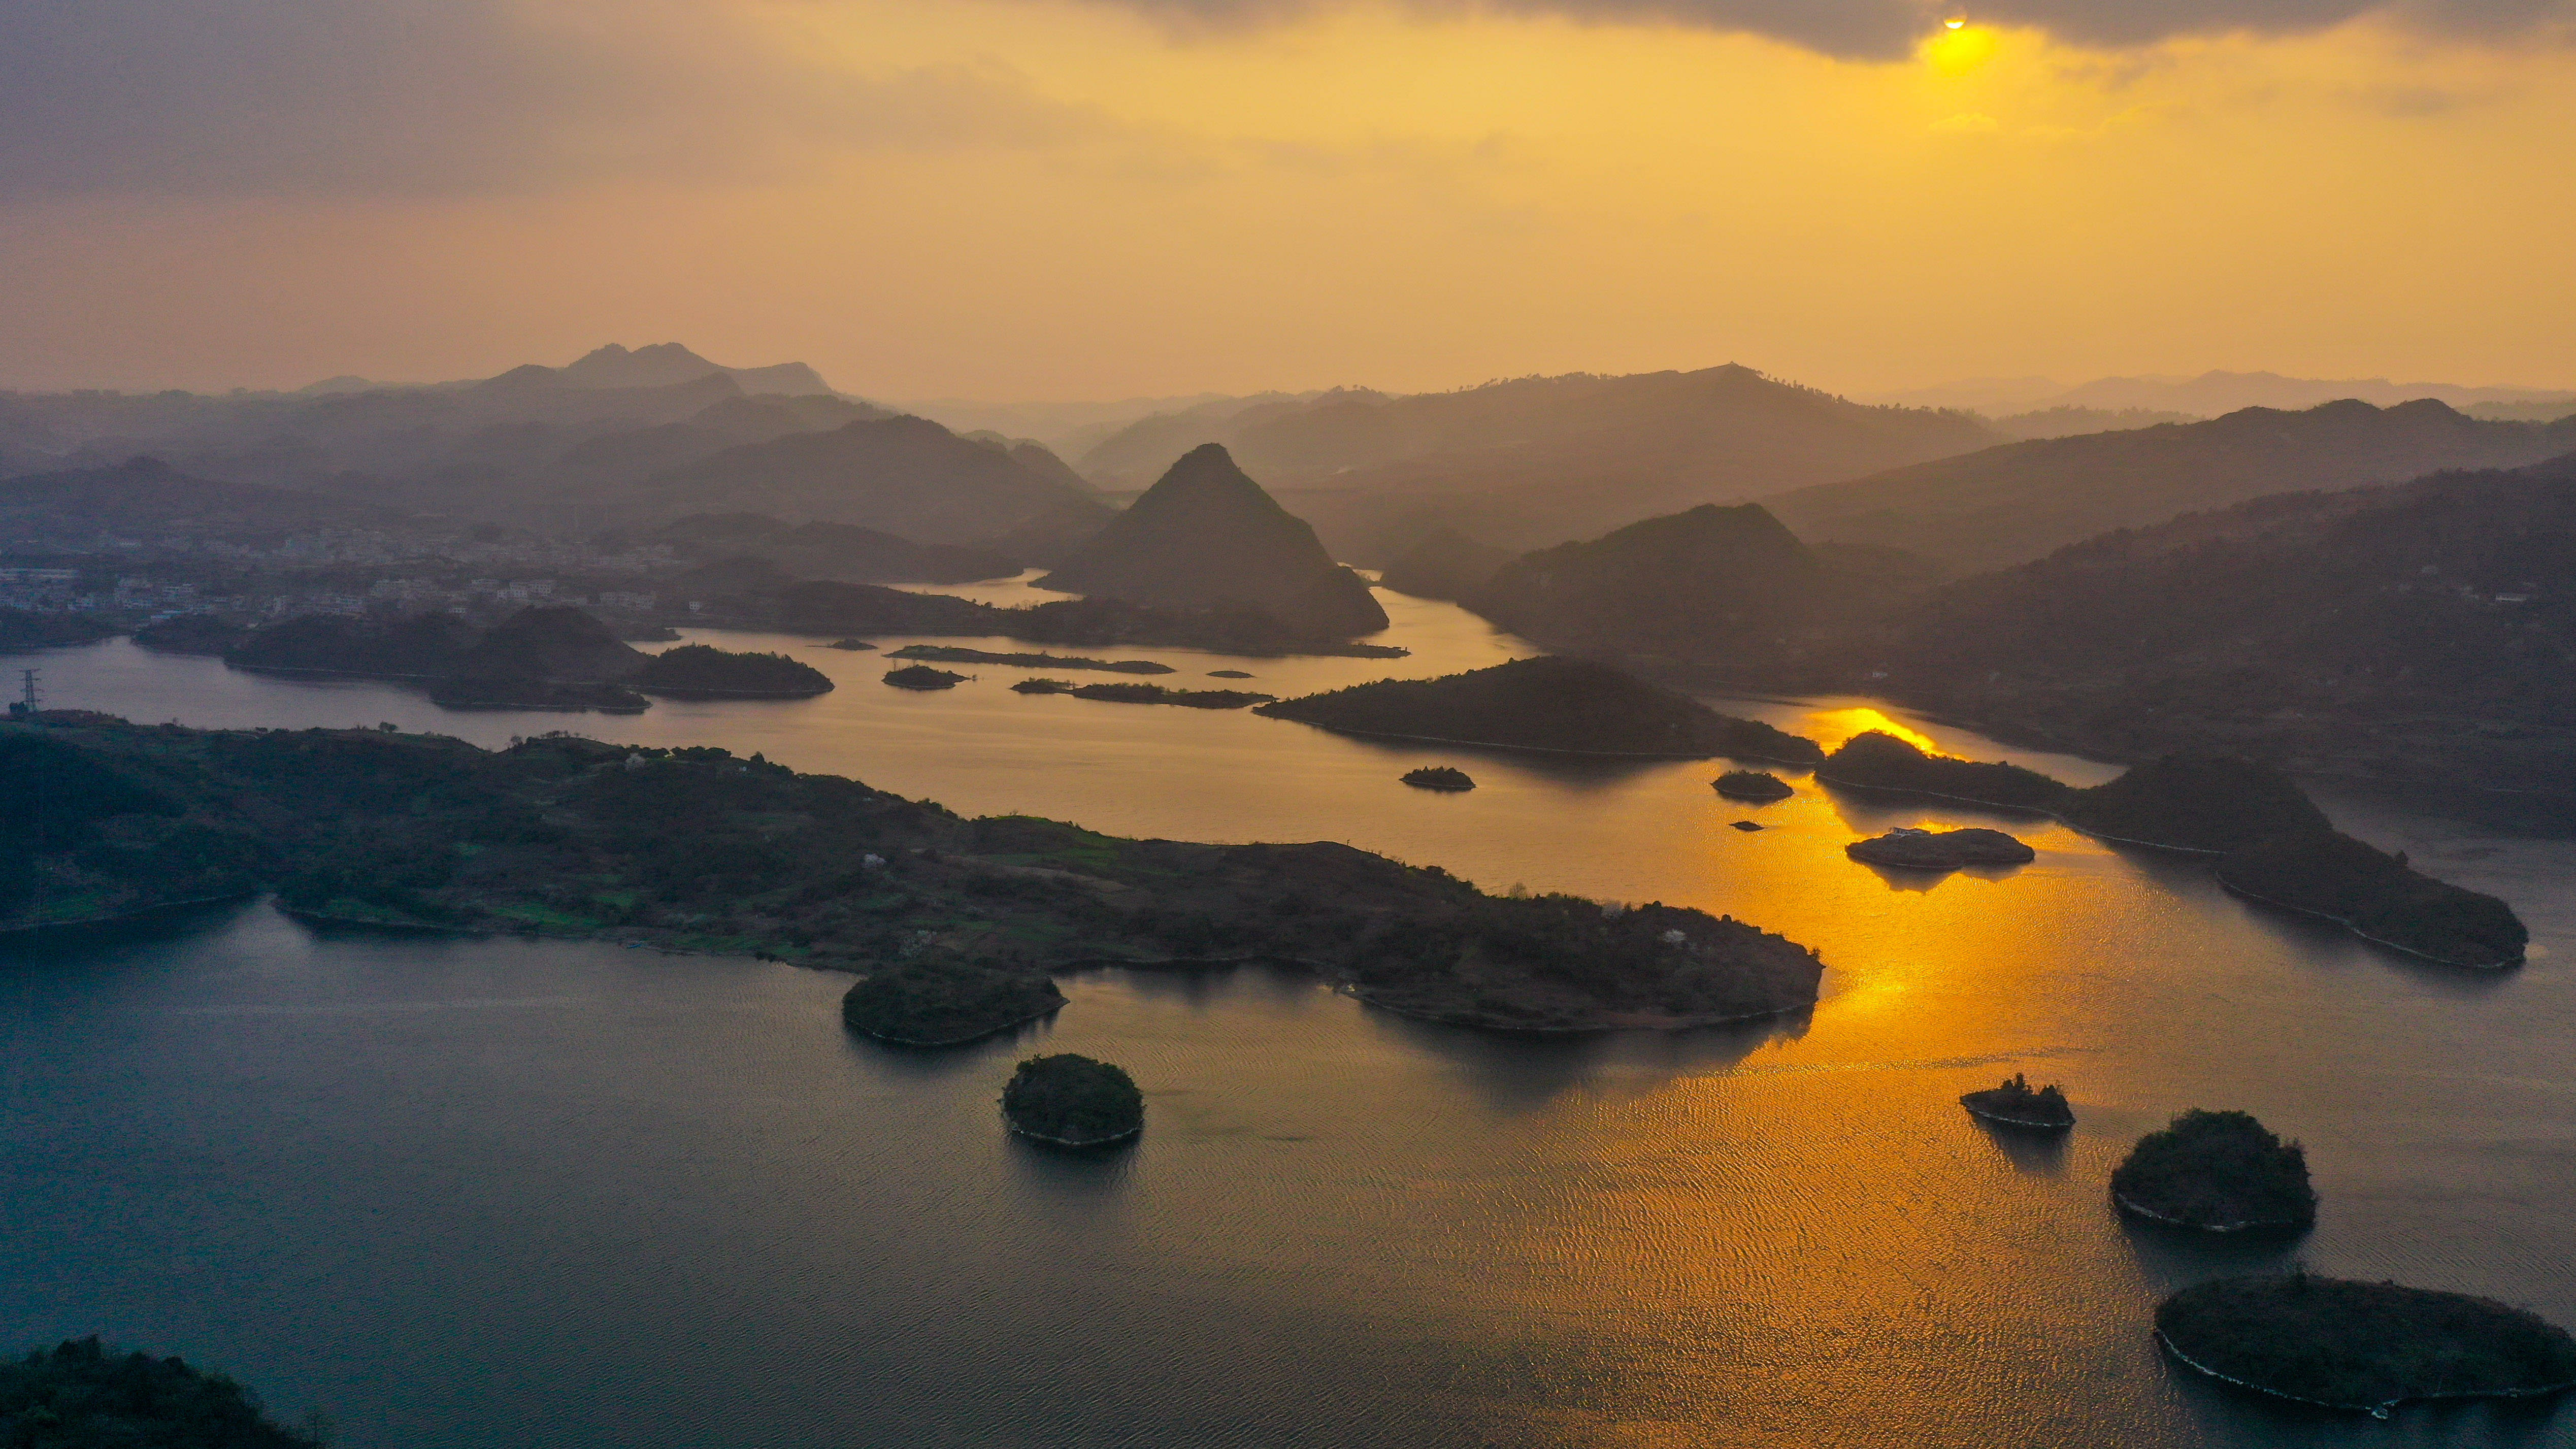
(29, 696)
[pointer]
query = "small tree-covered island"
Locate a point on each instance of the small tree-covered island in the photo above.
(2369, 1346)
(1446, 778)
(1940, 850)
(1758, 787)
(696, 850)
(934, 1004)
(2019, 1104)
(1073, 1101)
(2222, 1172)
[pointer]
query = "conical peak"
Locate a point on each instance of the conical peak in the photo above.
(1206, 473)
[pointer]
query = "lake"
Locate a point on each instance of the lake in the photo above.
(502, 1192)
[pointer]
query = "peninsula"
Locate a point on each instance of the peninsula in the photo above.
(696, 850)
(2367, 1346)
(1145, 694)
(2222, 1172)
(1073, 1101)
(951, 654)
(1552, 703)
(2271, 842)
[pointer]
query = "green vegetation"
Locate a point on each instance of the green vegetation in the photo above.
(2364, 1345)
(950, 654)
(1757, 786)
(922, 676)
(1073, 1101)
(696, 671)
(82, 1395)
(1876, 760)
(943, 1003)
(2378, 895)
(1546, 703)
(1940, 849)
(697, 850)
(1438, 777)
(2016, 1101)
(2223, 1171)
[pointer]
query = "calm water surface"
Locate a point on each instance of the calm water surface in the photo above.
(470, 1193)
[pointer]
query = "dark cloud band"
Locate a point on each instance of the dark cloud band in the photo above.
(1885, 29)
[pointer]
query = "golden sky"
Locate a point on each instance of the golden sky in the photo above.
(1089, 198)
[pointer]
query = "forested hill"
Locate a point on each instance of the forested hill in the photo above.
(2017, 502)
(2422, 628)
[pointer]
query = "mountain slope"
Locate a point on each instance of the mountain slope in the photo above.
(1207, 535)
(2016, 502)
(902, 475)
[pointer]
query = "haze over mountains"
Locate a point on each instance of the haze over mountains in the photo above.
(1533, 461)
(2210, 394)
(2015, 502)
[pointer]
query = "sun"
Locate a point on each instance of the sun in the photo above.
(1959, 47)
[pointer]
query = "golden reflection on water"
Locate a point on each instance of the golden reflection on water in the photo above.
(1831, 727)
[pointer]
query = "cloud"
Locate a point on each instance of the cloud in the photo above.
(1888, 29)
(412, 97)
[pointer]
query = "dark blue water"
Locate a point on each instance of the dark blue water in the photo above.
(493, 1192)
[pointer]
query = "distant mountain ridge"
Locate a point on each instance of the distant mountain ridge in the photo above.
(1533, 461)
(2211, 394)
(2018, 501)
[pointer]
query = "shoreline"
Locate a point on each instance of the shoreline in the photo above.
(2382, 1409)
(1976, 1111)
(989, 1032)
(1543, 749)
(2131, 1205)
(1130, 1135)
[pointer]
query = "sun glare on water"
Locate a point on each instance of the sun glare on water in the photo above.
(1836, 726)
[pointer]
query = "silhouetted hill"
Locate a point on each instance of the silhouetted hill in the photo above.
(903, 475)
(828, 550)
(1207, 535)
(1719, 586)
(2019, 501)
(2416, 631)
(1572, 706)
(146, 496)
(663, 364)
(1536, 460)
(1444, 564)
